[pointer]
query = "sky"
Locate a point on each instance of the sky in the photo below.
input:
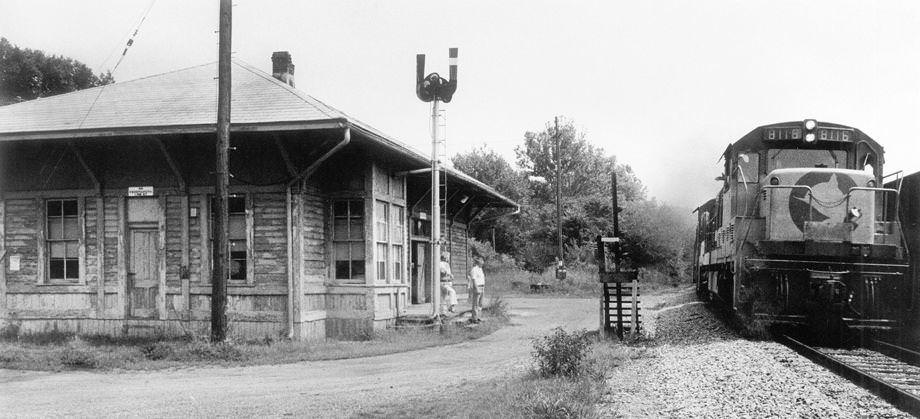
(662, 85)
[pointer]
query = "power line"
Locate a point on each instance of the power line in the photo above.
(130, 41)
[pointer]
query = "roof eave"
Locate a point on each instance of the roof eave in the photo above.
(425, 162)
(174, 129)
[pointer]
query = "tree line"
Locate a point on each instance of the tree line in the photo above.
(27, 74)
(657, 235)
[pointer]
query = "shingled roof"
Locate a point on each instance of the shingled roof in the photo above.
(185, 101)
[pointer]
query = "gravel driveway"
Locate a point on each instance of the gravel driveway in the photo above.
(325, 388)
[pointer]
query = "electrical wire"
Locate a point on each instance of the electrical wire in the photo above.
(131, 39)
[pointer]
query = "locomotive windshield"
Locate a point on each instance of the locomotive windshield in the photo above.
(785, 158)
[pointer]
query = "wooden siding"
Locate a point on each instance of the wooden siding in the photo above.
(22, 226)
(269, 239)
(110, 242)
(314, 236)
(174, 220)
(460, 258)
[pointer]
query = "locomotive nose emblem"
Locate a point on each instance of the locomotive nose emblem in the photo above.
(828, 190)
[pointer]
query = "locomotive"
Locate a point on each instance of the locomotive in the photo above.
(803, 232)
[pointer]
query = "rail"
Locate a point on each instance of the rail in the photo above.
(901, 399)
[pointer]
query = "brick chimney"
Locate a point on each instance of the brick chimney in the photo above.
(282, 67)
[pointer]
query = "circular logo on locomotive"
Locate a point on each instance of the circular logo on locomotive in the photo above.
(828, 189)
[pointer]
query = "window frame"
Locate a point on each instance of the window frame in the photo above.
(248, 220)
(46, 242)
(349, 240)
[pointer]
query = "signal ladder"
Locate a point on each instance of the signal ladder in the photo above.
(620, 309)
(442, 159)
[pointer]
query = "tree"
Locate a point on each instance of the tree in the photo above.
(585, 168)
(491, 168)
(27, 74)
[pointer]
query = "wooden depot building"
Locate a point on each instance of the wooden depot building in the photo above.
(105, 211)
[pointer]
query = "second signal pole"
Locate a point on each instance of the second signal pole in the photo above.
(220, 272)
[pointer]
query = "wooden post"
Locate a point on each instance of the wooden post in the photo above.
(3, 256)
(161, 257)
(122, 259)
(634, 324)
(619, 295)
(184, 273)
(222, 179)
(40, 240)
(100, 256)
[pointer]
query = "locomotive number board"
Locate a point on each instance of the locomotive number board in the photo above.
(795, 133)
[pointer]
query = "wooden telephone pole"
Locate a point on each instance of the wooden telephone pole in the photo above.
(221, 249)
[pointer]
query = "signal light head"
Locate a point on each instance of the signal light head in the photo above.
(810, 124)
(774, 181)
(810, 137)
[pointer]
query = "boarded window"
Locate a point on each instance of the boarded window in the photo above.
(348, 239)
(63, 239)
(398, 187)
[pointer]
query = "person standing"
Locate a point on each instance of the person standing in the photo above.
(477, 285)
(448, 294)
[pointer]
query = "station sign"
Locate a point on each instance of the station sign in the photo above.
(140, 191)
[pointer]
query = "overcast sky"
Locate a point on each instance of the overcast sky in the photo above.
(663, 85)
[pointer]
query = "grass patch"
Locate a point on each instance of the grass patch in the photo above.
(527, 396)
(55, 351)
(581, 282)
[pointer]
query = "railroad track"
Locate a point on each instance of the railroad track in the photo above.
(891, 372)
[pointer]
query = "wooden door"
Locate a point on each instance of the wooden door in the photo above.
(143, 273)
(421, 273)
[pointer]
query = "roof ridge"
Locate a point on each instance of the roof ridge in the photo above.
(298, 93)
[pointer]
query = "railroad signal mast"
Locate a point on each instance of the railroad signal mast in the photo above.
(434, 88)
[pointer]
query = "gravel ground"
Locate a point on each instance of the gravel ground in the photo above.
(699, 368)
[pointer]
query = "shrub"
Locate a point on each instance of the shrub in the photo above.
(561, 353)
(156, 351)
(498, 307)
(214, 352)
(9, 332)
(79, 358)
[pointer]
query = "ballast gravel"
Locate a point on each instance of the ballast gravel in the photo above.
(697, 367)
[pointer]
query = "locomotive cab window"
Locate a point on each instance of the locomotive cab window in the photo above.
(748, 168)
(786, 158)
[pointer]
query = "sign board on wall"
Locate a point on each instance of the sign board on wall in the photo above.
(140, 191)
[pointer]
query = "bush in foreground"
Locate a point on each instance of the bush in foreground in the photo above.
(561, 353)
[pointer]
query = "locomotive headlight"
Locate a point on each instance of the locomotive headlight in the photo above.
(810, 124)
(871, 183)
(774, 181)
(810, 137)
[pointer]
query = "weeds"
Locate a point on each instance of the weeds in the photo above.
(56, 350)
(561, 353)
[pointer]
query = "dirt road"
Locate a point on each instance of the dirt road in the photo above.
(325, 388)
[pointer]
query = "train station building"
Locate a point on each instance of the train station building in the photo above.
(106, 211)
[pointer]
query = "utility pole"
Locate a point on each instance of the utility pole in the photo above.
(559, 253)
(221, 180)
